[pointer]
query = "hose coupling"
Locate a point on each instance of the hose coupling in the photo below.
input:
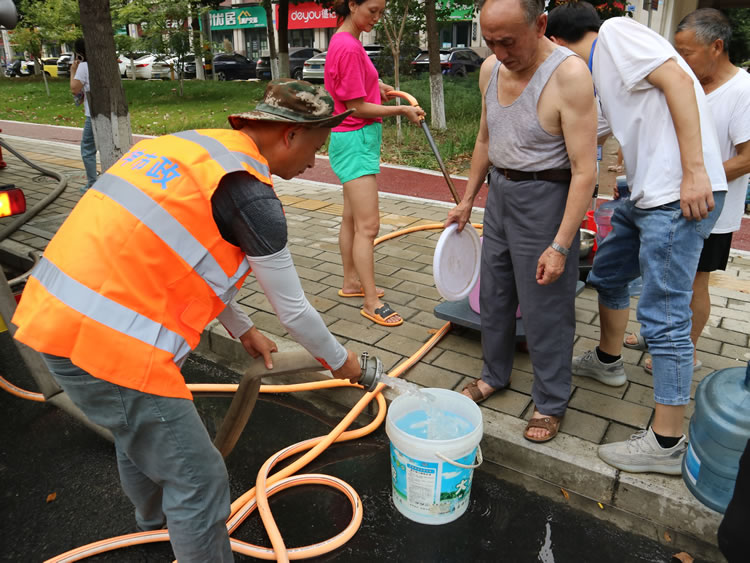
(371, 371)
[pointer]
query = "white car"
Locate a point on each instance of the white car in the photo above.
(165, 69)
(123, 61)
(142, 67)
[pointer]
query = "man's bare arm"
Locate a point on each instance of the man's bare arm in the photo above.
(480, 160)
(578, 123)
(696, 195)
(738, 165)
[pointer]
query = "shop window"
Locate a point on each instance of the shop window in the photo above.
(301, 37)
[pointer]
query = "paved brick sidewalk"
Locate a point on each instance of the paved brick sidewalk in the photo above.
(597, 413)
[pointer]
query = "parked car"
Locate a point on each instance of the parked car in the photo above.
(229, 66)
(233, 66)
(142, 67)
(50, 66)
(13, 68)
(123, 61)
(165, 69)
(456, 61)
(188, 69)
(314, 68)
(63, 64)
(297, 58)
(382, 58)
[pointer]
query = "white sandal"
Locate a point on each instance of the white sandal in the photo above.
(640, 343)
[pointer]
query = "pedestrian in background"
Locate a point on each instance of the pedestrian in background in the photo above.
(80, 87)
(658, 112)
(537, 136)
(354, 150)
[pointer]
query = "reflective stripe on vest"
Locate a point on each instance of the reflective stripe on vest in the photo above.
(229, 160)
(172, 233)
(107, 312)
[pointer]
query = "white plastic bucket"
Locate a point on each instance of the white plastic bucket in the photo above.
(432, 478)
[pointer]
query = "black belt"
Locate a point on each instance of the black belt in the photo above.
(555, 175)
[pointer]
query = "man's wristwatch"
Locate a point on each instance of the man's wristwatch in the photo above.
(561, 249)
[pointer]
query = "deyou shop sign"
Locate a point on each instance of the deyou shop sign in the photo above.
(308, 15)
(237, 18)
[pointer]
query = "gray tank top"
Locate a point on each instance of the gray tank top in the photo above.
(517, 140)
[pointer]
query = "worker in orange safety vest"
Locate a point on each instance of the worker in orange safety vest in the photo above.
(151, 254)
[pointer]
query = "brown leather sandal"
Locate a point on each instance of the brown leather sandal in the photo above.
(549, 423)
(476, 394)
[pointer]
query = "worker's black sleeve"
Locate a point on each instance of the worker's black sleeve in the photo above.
(249, 214)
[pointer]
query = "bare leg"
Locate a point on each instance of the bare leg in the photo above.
(701, 307)
(361, 195)
(668, 420)
(613, 323)
(346, 241)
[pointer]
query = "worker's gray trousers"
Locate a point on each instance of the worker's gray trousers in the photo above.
(521, 220)
(169, 468)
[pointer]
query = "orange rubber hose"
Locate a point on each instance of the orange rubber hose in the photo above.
(266, 485)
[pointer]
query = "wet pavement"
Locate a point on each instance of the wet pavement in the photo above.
(44, 451)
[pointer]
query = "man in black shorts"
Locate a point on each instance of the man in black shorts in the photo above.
(702, 39)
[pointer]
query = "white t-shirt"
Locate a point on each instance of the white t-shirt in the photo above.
(626, 53)
(730, 106)
(82, 75)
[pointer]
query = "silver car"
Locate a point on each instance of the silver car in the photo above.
(314, 68)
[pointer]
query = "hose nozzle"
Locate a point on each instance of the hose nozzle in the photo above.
(372, 371)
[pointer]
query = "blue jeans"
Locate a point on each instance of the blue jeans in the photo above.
(88, 154)
(663, 247)
(169, 469)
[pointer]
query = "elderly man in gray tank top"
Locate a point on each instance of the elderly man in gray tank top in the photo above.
(537, 137)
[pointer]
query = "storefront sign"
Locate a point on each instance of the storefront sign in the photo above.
(461, 14)
(237, 18)
(308, 15)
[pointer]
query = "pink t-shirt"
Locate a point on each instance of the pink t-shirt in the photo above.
(350, 74)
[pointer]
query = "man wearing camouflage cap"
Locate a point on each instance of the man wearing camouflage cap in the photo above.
(152, 253)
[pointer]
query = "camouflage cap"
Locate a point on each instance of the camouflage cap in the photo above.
(293, 101)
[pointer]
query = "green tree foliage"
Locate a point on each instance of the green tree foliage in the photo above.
(606, 8)
(46, 23)
(739, 49)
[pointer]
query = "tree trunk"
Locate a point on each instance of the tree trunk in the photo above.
(436, 78)
(284, 38)
(38, 62)
(273, 56)
(207, 32)
(109, 109)
(197, 41)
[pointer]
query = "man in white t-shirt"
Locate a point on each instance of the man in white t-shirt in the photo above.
(702, 38)
(79, 86)
(657, 111)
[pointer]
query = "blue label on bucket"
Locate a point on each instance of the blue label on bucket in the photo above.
(430, 488)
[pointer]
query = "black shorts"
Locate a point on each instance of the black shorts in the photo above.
(715, 253)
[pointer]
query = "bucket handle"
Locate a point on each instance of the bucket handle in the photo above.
(479, 460)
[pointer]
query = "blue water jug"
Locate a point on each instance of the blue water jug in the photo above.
(719, 431)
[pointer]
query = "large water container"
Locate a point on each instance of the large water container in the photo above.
(719, 431)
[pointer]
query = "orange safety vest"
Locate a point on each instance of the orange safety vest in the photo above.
(139, 268)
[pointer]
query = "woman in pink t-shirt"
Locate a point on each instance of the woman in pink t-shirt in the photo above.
(354, 150)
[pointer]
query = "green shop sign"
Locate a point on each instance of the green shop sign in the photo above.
(237, 18)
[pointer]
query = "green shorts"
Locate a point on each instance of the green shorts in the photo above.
(354, 154)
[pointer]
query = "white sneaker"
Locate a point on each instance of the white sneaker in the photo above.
(588, 365)
(641, 453)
